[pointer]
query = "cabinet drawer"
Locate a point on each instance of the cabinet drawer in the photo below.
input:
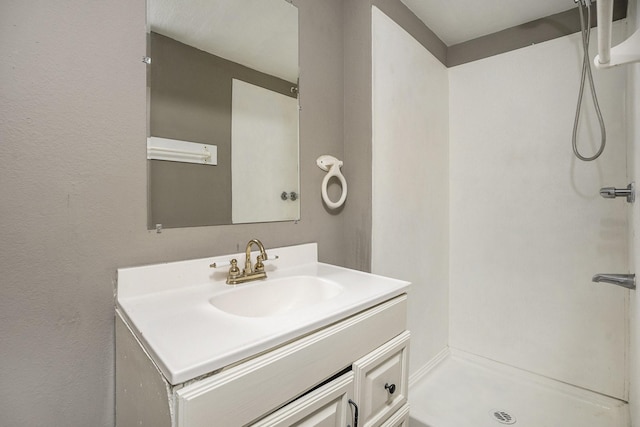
(245, 392)
(382, 381)
(398, 419)
(326, 406)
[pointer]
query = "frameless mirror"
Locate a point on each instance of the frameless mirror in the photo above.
(222, 89)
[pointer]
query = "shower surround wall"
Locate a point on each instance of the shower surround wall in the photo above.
(633, 122)
(526, 227)
(410, 180)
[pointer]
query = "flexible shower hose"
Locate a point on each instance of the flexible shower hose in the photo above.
(586, 72)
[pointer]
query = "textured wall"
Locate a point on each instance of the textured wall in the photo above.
(528, 227)
(357, 136)
(73, 191)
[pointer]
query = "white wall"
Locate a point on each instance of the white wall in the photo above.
(633, 160)
(410, 180)
(528, 228)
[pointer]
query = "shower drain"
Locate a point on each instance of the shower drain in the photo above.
(503, 417)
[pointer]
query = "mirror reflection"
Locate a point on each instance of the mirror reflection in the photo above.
(223, 112)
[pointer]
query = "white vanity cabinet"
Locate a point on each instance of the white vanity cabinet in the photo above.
(306, 346)
(378, 386)
(326, 406)
(381, 381)
(280, 387)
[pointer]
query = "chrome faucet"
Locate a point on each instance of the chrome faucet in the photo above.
(249, 272)
(624, 280)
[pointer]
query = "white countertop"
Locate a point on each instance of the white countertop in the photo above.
(167, 307)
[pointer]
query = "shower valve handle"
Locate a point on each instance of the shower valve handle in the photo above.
(612, 192)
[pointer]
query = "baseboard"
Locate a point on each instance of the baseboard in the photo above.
(500, 368)
(429, 366)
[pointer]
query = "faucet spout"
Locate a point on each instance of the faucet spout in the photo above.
(250, 272)
(625, 280)
(262, 257)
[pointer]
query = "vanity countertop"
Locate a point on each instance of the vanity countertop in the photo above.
(167, 307)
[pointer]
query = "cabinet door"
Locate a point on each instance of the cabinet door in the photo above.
(328, 406)
(400, 418)
(382, 381)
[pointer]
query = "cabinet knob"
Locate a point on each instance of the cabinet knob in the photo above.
(390, 388)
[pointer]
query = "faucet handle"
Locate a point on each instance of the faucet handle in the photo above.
(234, 271)
(220, 264)
(259, 267)
(612, 192)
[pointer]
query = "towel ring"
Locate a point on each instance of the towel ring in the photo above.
(332, 166)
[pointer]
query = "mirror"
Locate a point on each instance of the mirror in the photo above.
(222, 89)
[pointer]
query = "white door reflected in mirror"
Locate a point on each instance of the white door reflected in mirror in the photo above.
(264, 154)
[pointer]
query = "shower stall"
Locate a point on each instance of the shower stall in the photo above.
(479, 201)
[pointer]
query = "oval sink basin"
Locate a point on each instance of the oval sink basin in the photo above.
(274, 297)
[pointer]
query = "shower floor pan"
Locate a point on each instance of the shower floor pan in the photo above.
(468, 391)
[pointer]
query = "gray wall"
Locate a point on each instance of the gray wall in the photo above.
(73, 192)
(357, 113)
(357, 136)
(534, 32)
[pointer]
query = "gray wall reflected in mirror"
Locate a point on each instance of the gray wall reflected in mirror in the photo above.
(191, 99)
